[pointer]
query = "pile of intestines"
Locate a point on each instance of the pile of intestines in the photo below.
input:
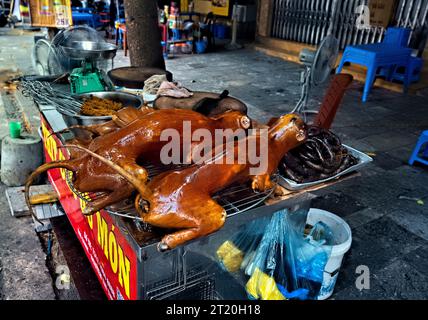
(320, 157)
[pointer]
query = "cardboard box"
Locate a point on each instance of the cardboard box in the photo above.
(382, 12)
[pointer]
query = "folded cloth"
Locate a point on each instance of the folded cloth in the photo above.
(152, 84)
(170, 89)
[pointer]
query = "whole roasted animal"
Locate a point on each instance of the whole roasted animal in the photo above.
(320, 157)
(138, 141)
(182, 199)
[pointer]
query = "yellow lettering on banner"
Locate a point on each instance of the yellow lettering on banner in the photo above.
(112, 250)
(90, 221)
(102, 234)
(124, 268)
(82, 203)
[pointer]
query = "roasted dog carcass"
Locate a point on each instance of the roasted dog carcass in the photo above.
(182, 199)
(139, 140)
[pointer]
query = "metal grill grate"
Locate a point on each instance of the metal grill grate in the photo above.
(240, 198)
(235, 199)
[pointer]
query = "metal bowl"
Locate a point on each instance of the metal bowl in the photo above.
(90, 50)
(127, 99)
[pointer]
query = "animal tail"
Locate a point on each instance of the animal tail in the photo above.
(43, 168)
(140, 186)
(77, 126)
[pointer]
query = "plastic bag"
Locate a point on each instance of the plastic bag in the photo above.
(235, 254)
(286, 265)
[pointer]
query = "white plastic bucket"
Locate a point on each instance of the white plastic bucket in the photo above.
(343, 235)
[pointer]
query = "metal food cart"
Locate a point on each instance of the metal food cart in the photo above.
(124, 255)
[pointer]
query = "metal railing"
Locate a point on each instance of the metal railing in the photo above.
(309, 21)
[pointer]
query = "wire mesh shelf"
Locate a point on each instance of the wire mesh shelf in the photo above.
(234, 199)
(199, 285)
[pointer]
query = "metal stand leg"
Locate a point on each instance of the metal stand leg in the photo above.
(371, 74)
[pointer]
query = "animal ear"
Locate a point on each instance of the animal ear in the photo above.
(245, 122)
(300, 135)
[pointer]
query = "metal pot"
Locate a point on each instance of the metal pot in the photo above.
(127, 99)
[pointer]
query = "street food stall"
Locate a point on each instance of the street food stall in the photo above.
(123, 251)
(210, 229)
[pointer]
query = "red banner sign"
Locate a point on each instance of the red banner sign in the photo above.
(110, 255)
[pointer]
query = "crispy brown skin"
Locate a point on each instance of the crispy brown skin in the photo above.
(125, 146)
(182, 200)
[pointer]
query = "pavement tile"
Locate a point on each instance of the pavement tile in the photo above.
(362, 217)
(397, 281)
(418, 259)
(376, 244)
(339, 203)
(386, 161)
(415, 220)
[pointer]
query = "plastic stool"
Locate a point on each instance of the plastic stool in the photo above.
(415, 156)
(373, 56)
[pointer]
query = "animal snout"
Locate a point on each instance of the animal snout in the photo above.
(300, 127)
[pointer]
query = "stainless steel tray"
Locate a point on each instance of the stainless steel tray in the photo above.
(363, 160)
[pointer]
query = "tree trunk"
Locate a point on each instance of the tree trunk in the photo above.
(144, 36)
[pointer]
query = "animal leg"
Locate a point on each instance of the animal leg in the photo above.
(173, 240)
(119, 194)
(141, 186)
(261, 183)
(139, 172)
(195, 220)
(69, 165)
(92, 129)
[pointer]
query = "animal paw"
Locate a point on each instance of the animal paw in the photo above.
(162, 247)
(261, 183)
(88, 210)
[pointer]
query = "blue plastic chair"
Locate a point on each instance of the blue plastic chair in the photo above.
(397, 36)
(401, 36)
(389, 54)
(423, 139)
(415, 65)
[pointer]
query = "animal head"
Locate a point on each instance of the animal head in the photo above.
(233, 120)
(288, 128)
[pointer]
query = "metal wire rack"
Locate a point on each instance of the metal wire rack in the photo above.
(187, 281)
(44, 94)
(199, 285)
(235, 199)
